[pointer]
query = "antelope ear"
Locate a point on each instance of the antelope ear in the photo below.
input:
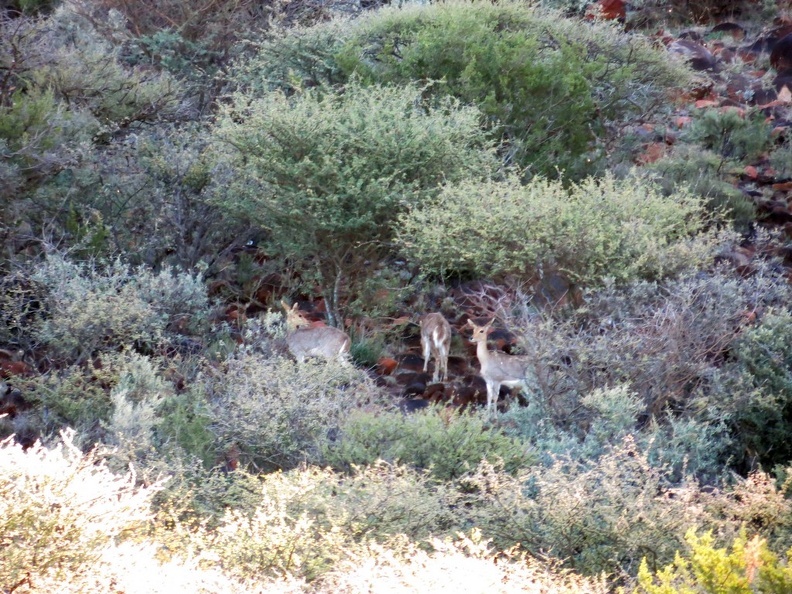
(285, 305)
(470, 323)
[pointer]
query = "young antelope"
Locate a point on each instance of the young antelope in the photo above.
(498, 368)
(436, 342)
(304, 340)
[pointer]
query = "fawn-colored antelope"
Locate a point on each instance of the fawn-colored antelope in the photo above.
(304, 340)
(498, 368)
(436, 342)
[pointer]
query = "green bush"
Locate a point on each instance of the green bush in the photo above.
(311, 519)
(69, 398)
(294, 58)
(556, 85)
(747, 568)
(184, 423)
(704, 174)
(761, 397)
(278, 412)
(622, 229)
(327, 173)
(446, 446)
(730, 134)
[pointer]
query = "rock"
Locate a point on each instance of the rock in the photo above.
(781, 56)
(699, 57)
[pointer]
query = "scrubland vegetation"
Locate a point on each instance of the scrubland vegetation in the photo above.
(166, 177)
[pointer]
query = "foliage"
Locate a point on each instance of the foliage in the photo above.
(761, 400)
(555, 84)
(749, 567)
(310, 519)
(672, 344)
(183, 422)
(93, 308)
(293, 59)
(704, 174)
(447, 445)
(65, 95)
(327, 173)
(625, 230)
(758, 501)
(601, 515)
(277, 412)
(467, 563)
(64, 55)
(731, 134)
(59, 510)
(69, 398)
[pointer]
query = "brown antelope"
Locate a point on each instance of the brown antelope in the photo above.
(305, 340)
(498, 368)
(436, 342)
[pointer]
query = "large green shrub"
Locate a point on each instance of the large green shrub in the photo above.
(327, 173)
(496, 58)
(556, 86)
(622, 229)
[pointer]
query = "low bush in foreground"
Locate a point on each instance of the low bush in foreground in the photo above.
(749, 567)
(59, 510)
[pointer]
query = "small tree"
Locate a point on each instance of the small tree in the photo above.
(328, 173)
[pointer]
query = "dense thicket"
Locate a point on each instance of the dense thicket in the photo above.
(167, 177)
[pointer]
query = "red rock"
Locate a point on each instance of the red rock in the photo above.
(702, 103)
(654, 151)
(751, 172)
(386, 366)
(12, 368)
(607, 9)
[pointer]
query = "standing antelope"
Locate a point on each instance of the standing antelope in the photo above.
(436, 342)
(498, 368)
(306, 341)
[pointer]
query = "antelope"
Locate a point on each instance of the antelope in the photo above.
(436, 342)
(304, 340)
(498, 368)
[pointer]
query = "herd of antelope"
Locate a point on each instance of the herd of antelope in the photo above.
(497, 368)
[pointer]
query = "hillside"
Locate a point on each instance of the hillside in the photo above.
(224, 224)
